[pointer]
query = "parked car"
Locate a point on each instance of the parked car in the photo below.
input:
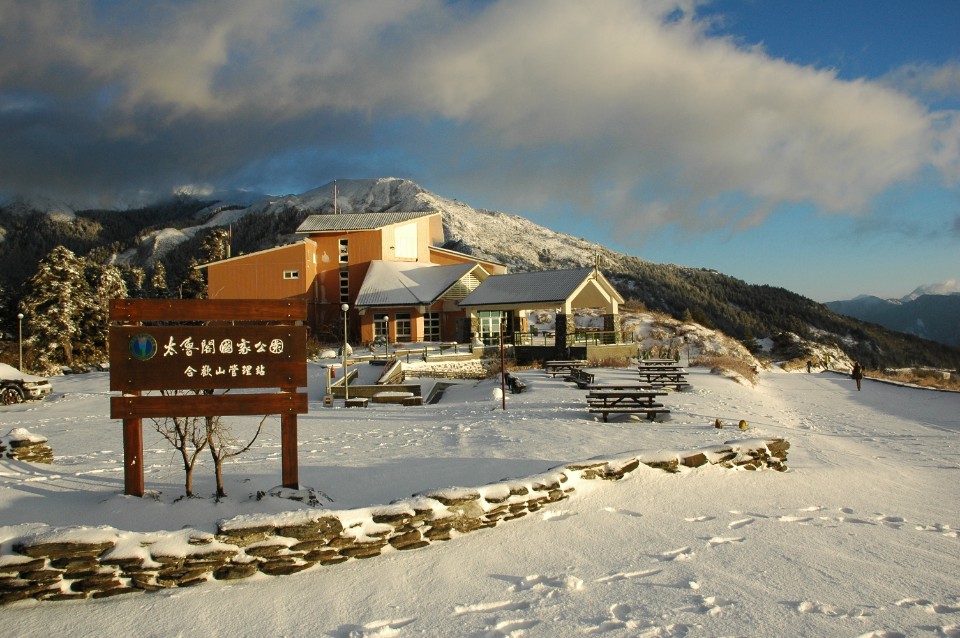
(16, 386)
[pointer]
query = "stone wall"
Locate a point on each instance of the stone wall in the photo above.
(52, 564)
(21, 445)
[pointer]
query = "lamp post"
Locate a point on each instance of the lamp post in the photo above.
(346, 377)
(503, 369)
(386, 322)
(20, 319)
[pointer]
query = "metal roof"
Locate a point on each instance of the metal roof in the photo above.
(528, 287)
(391, 283)
(357, 221)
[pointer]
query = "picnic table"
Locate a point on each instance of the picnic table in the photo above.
(630, 401)
(663, 375)
(658, 362)
(565, 367)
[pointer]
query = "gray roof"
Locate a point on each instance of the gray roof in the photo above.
(527, 287)
(390, 283)
(357, 221)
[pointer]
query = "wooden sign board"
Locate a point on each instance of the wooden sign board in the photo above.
(227, 348)
(155, 407)
(207, 357)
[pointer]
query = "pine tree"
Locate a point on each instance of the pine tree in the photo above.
(106, 283)
(216, 246)
(158, 282)
(134, 278)
(194, 286)
(57, 297)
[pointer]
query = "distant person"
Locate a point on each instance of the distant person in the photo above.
(857, 373)
(809, 366)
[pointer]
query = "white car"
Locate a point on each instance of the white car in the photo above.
(16, 386)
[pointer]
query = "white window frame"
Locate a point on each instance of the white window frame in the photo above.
(291, 274)
(431, 326)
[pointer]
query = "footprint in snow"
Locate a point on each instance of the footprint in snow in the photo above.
(615, 510)
(700, 519)
(895, 522)
(558, 515)
(483, 608)
(507, 629)
(725, 540)
(376, 629)
(930, 606)
(618, 618)
(627, 575)
(743, 522)
(684, 553)
(824, 609)
(709, 605)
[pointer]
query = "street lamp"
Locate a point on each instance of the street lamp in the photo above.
(20, 318)
(346, 377)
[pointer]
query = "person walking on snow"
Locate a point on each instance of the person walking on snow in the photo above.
(809, 365)
(857, 373)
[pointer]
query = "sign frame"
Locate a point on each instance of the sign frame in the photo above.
(241, 331)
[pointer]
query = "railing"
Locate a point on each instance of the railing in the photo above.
(579, 337)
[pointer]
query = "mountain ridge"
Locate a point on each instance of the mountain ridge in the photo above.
(173, 232)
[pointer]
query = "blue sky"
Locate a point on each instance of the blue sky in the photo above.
(810, 145)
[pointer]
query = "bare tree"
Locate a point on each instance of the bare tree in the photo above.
(223, 445)
(188, 435)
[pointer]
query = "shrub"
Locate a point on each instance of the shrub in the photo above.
(728, 364)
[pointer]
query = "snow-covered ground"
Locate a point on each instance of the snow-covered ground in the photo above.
(861, 537)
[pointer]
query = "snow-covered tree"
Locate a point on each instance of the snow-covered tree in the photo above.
(215, 246)
(56, 300)
(158, 282)
(106, 283)
(134, 277)
(195, 285)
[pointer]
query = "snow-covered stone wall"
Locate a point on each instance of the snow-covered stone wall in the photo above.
(76, 563)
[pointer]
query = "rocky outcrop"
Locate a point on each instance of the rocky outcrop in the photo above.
(75, 563)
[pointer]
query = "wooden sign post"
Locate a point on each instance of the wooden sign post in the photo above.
(227, 344)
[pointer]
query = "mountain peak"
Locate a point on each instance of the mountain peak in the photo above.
(949, 287)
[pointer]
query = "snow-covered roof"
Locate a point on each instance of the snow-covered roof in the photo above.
(357, 221)
(390, 283)
(528, 287)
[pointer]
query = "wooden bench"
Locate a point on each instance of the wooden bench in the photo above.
(633, 401)
(582, 378)
(515, 384)
(557, 367)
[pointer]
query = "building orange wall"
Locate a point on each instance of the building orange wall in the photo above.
(260, 275)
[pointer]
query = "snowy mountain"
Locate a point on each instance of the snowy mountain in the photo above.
(173, 232)
(949, 287)
(930, 312)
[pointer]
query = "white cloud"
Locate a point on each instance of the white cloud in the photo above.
(615, 104)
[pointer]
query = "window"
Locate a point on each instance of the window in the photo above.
(431, 326)
(344, 253)
(381, 326)
(403, 327)
(490, 326)
(291, 274)
(344, 286)
(405, 241)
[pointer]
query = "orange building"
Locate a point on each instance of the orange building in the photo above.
(384, 266)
